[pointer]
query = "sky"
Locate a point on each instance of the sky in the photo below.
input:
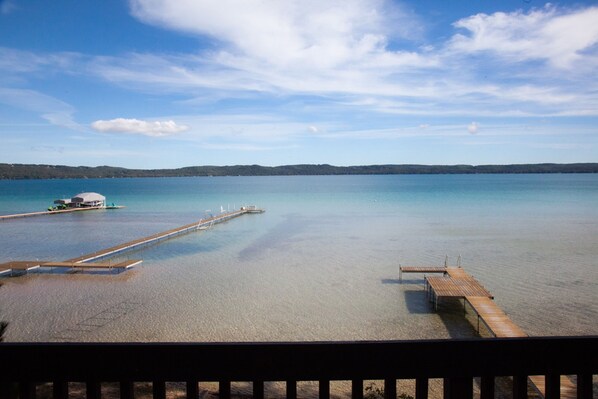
(173, 83)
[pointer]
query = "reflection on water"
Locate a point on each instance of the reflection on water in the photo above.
(320, 264)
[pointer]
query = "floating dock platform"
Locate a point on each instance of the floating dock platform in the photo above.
(81, 262)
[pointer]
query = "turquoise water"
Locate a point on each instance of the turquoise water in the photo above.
(320, 264)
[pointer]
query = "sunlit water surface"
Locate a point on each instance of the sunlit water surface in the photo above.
(321, 263)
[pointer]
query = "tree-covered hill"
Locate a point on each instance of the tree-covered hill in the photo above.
(22, 171)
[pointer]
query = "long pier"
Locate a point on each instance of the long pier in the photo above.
(457, 283)
(44, 213)
(81, 262)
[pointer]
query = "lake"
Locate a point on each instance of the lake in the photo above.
(320, 264)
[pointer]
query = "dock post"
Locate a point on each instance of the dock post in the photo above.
(400, 274)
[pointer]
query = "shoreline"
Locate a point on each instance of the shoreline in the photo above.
(39, 172)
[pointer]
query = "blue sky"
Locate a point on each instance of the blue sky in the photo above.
(165, 84)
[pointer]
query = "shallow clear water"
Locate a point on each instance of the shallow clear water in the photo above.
(320, 264)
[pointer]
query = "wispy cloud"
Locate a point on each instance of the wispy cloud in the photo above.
(136, 126)
(561, 37)
(51, 109)
(7, 6)
(473, 127)
(352, 56)
(294, 34)
(274, 49)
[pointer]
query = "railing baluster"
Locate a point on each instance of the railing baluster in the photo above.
(224, 390)
(357, 389)
(421, 388)
(487, 387)
(291, 389)
(324, 389)
(127, 390)
(520, 387)
(584, 386)
(93, 390)
(192, 389)
(390, 388)
(60, 389)
(258, 389)
(26, 390)
(553, 386)
(458, 388)
(159, 389)
(4, 389)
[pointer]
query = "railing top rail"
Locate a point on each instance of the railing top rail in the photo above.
(273, 361)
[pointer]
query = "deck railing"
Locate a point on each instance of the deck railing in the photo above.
(458, 362)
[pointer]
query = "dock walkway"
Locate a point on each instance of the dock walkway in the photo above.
(81, 262)
(457, 283)
(42, 213)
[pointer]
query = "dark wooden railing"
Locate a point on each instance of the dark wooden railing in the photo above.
(22, 366)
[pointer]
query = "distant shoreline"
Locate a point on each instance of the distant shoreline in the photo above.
(29, 171)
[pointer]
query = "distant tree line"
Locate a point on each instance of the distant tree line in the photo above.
(22, 171)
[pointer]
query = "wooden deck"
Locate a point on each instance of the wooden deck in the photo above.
(457, 283)
(497, 321)
(81, 262)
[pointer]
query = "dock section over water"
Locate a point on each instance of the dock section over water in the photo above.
(455, 282)
(43, 213)
(81, 262)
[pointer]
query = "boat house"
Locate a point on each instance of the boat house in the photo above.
(83, 200)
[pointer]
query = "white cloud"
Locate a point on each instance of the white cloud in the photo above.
(562, 37)
(473, 128)
(313, 129)
(289, 34)
(136, 126)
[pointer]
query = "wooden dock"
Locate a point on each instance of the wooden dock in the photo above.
(81, 262)
(203, 223)
(25, 266)
(457, 283)
(44, 213)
